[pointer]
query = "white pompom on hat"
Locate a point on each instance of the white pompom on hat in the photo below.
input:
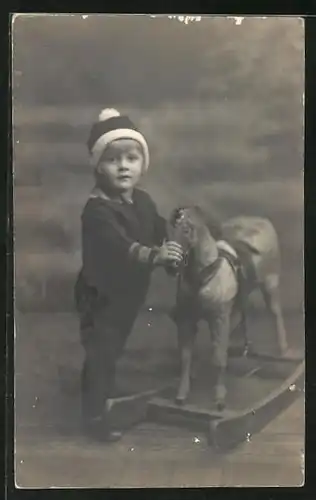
(108, 113)
(111, 126)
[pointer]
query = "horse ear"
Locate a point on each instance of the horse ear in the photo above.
(174, 215)
(213, 223)
(215, 227)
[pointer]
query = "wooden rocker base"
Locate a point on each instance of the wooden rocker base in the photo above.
(255, 397)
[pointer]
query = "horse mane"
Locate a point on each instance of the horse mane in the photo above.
(212, 223)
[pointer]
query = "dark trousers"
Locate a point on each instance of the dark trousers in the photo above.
(104, 332)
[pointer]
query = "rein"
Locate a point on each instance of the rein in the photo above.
(209, 272)
(206, 274)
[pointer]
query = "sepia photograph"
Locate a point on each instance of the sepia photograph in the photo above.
(158, 210)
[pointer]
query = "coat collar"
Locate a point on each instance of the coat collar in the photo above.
(98, 193)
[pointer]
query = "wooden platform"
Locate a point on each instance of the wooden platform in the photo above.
(126, 411)
(258, 390)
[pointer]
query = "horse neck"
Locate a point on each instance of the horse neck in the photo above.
(205, 251)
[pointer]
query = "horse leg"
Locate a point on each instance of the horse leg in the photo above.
(186, 337)
(220, 330)
(271, 293)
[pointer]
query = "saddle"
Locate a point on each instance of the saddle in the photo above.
(227, 252)
(239, 260)
(239, 257)
(237, 264)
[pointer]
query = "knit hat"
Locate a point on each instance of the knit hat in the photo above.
(110, 127)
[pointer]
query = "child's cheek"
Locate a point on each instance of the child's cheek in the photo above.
(142, 167)
(103, 169)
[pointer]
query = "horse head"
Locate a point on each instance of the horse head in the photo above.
(188, 223)
(184, 225)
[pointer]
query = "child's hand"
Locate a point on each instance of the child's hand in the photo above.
(170, 253)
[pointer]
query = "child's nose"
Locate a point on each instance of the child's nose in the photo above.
(123, 164)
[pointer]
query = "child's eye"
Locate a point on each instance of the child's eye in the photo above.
(132, 158)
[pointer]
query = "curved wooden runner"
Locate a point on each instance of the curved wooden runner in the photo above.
(259, 388)
(242, 418)
(230, 430)
(127, 411)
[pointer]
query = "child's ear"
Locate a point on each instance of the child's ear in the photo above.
(96, 171)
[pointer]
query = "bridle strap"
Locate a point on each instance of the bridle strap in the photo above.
(209, 272)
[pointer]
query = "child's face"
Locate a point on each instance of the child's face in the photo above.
(121, 165)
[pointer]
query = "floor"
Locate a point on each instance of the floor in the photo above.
(48, 357)
(161, 456)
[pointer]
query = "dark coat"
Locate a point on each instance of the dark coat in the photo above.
(109, 228)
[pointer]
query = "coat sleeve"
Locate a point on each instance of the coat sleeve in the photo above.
(160, 235)
(160, 224)
(108, 253)
(105, 247)
(160, 229)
